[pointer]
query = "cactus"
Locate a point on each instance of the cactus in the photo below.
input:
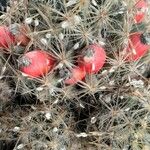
(87, 99)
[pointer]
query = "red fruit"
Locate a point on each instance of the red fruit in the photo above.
(141, 7)
(137, 48)
(36, 63)
(6, 38)
(77, 74)
(92, 58)
(20, 33)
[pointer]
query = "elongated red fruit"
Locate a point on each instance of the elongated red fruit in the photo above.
(141, 9)
(20, 33)
(92, 58)
(6, 38)
(76, 75)
(138, 46)
(36, 63)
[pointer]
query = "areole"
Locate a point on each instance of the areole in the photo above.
(24, 61)
(145, 38)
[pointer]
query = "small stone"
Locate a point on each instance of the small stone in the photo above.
(127, 109)
(93, 120)
(77, 19)
(103, 87)
(63, 148)
(76, 46)
(48, 116)
(36, 22)
(3, 69)
(112, 82)
(112, 70)
(24, 74)
(137, 83)
(121, 97)
(71, 2)
(104, 71)
(48, 35)
(20, 146)
(101, 43)
(60, 65)
(28, 20)
(44, 41)
(16, 129)
(83, 134)
(39, 88)
(55, 129)
(65, 24)
(56, 101)
(61, 36)
(107, 98)
(94, 2)
(81, 105)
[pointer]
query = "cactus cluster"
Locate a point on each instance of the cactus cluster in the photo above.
(75, 75)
